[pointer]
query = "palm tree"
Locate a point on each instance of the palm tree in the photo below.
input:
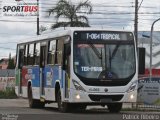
(66, 10)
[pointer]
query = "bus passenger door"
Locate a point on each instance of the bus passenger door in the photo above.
(43, 49)
(66, 68)
(20, 65)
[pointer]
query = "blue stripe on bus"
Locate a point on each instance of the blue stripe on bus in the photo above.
(51, 74)
(35, 76)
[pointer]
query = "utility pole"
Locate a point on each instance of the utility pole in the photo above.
(38, 17)
(136, 22)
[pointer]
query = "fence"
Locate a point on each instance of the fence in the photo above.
(7, 82)
(149, 92)
(7, 79)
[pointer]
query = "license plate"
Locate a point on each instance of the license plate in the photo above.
(106, 100)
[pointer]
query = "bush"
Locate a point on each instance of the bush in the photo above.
(9, 93)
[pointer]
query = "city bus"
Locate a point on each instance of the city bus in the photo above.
(77, 67)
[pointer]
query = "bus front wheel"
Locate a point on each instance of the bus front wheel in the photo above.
(32, 102)
(114, 107)
(62, 106)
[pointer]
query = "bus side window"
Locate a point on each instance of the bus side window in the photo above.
(31, 54)
(67, 52)
(59, 51)
(37, 54)
(51, 52)
(25, 55)
(21, 57)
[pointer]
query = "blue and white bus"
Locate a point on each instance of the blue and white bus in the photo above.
(77, 67)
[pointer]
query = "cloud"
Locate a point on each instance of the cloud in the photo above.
(11, 31)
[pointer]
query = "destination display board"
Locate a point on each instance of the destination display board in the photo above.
(102, 35)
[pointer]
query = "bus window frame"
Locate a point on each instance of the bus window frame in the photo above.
(66, 55)
(26, 54)
(37, 56)
(30, 55)
(59, 51)
(21, 56)
(42, 63)
(49, 52)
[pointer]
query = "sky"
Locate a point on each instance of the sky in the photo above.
(116, 14)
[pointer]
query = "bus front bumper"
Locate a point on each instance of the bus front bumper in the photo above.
(85, 97)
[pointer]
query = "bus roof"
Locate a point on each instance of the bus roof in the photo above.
(63, 32)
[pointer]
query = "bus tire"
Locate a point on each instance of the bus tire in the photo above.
(62, 106)
(114, 107)
(82, 107)
(32, 102)
(79, 107)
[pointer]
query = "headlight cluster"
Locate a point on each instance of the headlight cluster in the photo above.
(78, 86)
(133, 86)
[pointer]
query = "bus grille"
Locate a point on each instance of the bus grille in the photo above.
(100, 97)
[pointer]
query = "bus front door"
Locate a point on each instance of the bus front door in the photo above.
(43, 49)
(19, 71)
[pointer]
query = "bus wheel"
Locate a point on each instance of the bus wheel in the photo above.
(114, 107)
(82, 107)
(79, 107)
(32, 102)
(63, 107)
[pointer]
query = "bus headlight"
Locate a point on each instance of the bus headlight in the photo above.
(78, 86)
(131, 96)
(78, 97)
(133, 87)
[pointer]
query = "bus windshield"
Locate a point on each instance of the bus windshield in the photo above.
(104, 61)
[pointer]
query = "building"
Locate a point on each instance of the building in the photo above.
(7, 79)
(4, 63)
(144, 41)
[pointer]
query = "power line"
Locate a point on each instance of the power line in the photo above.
(107, 4)
(122, 13)
(9, 42)
(7, 48)
(130, 19)
(140, 4)
(25, 21)
(101, 6)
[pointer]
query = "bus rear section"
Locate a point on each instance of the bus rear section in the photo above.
(79, 68)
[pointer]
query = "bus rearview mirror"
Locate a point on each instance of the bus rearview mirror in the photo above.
(141, 60)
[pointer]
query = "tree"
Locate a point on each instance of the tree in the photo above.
(10, 63)
(71, 13)
(42, 29)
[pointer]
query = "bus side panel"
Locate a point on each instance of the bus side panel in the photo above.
(24, 82)
(17, 86)
(35, 76)
(31, 74)
(51, 76)
(66, 83)
(24, 77)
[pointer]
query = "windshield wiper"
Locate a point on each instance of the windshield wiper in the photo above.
(99, 55)
(110, 59)
(115, 51)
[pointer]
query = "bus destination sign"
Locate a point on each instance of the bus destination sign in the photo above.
(105, 35)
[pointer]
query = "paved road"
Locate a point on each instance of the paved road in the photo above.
(17, 109)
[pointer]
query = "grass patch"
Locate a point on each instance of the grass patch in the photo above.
(9, 93)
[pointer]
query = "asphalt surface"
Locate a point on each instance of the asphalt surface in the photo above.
(17, 109)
